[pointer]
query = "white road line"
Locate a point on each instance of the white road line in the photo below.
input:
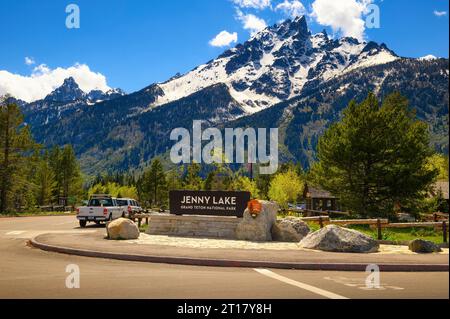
(16, 232)
(301, 285)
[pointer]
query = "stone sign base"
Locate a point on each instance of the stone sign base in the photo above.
(250, 228)
(194, 226)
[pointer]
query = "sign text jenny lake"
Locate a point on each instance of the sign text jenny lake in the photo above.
(214, 203)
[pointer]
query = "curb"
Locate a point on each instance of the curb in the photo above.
(239, 263)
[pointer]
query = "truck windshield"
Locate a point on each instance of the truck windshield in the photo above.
(101, 202)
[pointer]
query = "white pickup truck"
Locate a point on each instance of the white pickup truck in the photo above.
(100, 208)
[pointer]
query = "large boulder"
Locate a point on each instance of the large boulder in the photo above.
(339, 239)
(300, 226)
(258, 228)
(122, 229)
(424, 246)
(290, 229)
(285, 232)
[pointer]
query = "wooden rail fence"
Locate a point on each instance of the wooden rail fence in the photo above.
(312, 213)
(143, 216)
(56, 208)
(379, 224)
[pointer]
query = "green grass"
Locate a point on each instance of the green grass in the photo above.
(313, 226)
(402, 234)
(143, 228)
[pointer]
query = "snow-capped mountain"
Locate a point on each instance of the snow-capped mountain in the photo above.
(63, 102)
(428, 57)
(97, 96)
(282, 77)
(69, 91)
(276, 64)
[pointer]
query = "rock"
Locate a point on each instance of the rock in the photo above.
(423, 246)
(339, 239)
(290, 229)
(259, 228)
(300, 226)
(122, 229)
(285, 232)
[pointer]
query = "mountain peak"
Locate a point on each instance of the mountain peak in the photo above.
(290, 27)
(70, 81)
(300, 23)
(276, 64)
(69, 91)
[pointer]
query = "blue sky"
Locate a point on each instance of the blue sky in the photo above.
(136, 43)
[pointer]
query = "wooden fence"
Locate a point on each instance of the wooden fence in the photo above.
(435, 217)
(143, 215)
(379, 224)
(312, 213)
(56, 208)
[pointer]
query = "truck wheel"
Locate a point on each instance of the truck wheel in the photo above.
(83, 223)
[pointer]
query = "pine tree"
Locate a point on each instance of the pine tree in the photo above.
(72, 182)
(192, 180)
(375, 157)
(154, 184)
(208, 185)
(16, 148)
(67, 174)
(220, 178)
(174, 181)
(55, 164)
(45, 181)
(263, 184)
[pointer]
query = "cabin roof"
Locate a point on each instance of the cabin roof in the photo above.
(317, 192)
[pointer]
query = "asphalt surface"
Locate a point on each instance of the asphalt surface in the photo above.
(27, 272)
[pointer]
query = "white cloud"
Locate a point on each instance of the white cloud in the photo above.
(440, 13)
(224, 39)
(292, 8)
(251, 22)
(344, 16)
(255, 4)
(44, 80)
(29, 61)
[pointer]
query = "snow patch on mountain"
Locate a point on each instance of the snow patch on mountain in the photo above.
(428, 57)
(275, 65)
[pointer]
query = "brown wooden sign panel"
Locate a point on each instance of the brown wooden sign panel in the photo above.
(213, 203)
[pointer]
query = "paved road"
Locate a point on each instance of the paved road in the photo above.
(27, 272)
